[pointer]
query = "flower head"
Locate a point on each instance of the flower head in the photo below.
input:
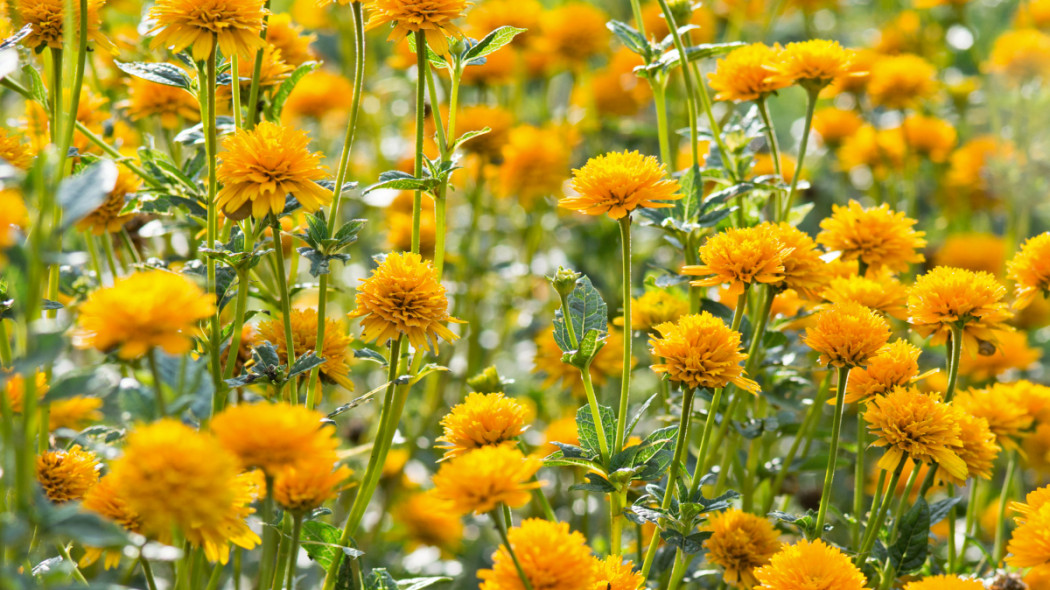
(482, 479)
(478, 117)
(618, 183)
(481, 420)
(404, 297)
(336, 350)
(894, 365)
(107, 218)
(944, 582)
(435, 18)
(804, 270)
(289, 38)
(1020, 55)
(655, 307)
(308, 484)
(877, 237)
(913, 425)
(173, 106)
(835, 125)
(900, 81)
(142, 311)
(574, 32)
(319, 94)
(930, 137)
(552, 558)
(811, 566)
(740, 257)
(947, 297)
(613, 573)
(272, 436)
(847, 334)
(812, 64)
(67, 476)
(1030, 270)
(975, 251)
(14, 151)
(883, 294)
(1002, 407)
(535, 164)
(262, 165)
(429, 520)
(739, 543)
(104, 500)
(743, 74)
(75, 412)
(977, 448)
(200, 25)
(174, 476)
(48, 18)
(699, 350)
(1029, 544)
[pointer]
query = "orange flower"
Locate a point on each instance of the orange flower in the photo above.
(618, 183)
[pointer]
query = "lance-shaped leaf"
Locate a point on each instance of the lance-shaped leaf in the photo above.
(158, 73)
(491, 43)
(909, 552)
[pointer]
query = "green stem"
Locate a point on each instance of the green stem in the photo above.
(625, 381)
(293, 553)
(774, 146)
(286, 302)
(158, 385)
(859, 476)
(269, 538)
(833, 453)
(811, 105)
(421, 68)
(952, 516)
(253, 92)
(803, 433)
(211, 148)
(871, 532)
(501, 527)
(681, 442)
(147, 572)
(78, 81)
(312, 389)
(687, 75)
(953, 363)
(999, 550)
(77, 574)
(125, 238)
(662, 131)
(235, 91)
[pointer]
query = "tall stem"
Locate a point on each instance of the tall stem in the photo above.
(269, 539)
(211, 143)
(158, 385)
(421, 65)
(663, 133)
(286, 303)
(774, 147)
(833, 453)
(1004, 498)
(871, 532)
(625, 382)
(859, 475)
(687, 75)
(253, 90)
(293, 554)
(811, 105)
(802, 434)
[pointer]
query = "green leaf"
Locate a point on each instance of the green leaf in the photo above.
(159, 73)
(939, 509)
(305, 363)
(491, 43)
(671, 59)
(468, 136)
(380, 579)
(273, 113)
(320, 540)
(397, 180)
(94, 381)
(36, 84)
(690, 544)
(81, 194)
(592, 342)
(588, 431)
(631, 38)
(434, 59)
(595, 483)
(564, 461)
(87, 528)
(369, 355)
(420, 583)
(638, 415)
(587, 311)
(692, 183)
(909, 552)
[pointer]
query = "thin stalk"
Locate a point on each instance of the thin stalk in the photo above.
(871, 532)
(78, 81)
(293, 554)
(681, 442)
(952, 516)
(774, 146)
(240, 308)
(999, 548)
(687, 75)
(269, 539)
(253, 91)
(77, 574)
(859, 475)
(235, 88)
(501, 527)
(158, 385)
(211, 148)
(663, 133)
(625, 380)
(588, 386)
(811, 105)
(833, 453)
(111, 255)
(286, 302)
(417, 198)
(147, 572)
(125, 238)
(803, 433)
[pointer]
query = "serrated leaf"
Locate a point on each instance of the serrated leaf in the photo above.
(912, 546)
(320, 540)
(469, 135)
(305, 363)
(572, 462)
(631, 38)
(287, 86)
(588, 431)
(671, 59)
(690, 544)
(592, 342)
(638, 415)
(159, 73)
(587, 311)
(491, 43)
(397, 180)
(595, 483)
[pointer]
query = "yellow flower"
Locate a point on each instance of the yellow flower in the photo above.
(199, 26)
(894, 365)
(883, 294)
(13, 216)
(289, 39)
(812, 64)
(1033, 13)
(173, 106)
(877, 237)
(835, 125)
(1011, 352)
(1029, 544)
(977, 448)
(319, 94)
(740, 257)
(655, 307)
(435, 18)
(810, 565)
(478, 117)
(76, 412)
(104, 500)
(552, 558)
(66, 476)
(972, 251)
(743, 74)
(482, 479)
(946, 297)
(901, 81)
(847, 334)
(881, 151)
(481, 420)
(301, 487)
(15, 389)
(142, 311)
(1036, 447)
(535, 164)
(804, 270)
(107, 217)
(740, 542)
(616, 90)
(14, 151)
(1029, 269)
(1020, 55)
(429, 520)
(618, 183)
(263, 165)
(1002, 407)
(699, 350)
(607, 363)
(574, 32)
(47, 18)
(930, 137)
(173, 476)
(971, 172)
(336, 351)
(613, 573)
(404, 297)
(916, 426)
(272, 436)
(944, 582)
